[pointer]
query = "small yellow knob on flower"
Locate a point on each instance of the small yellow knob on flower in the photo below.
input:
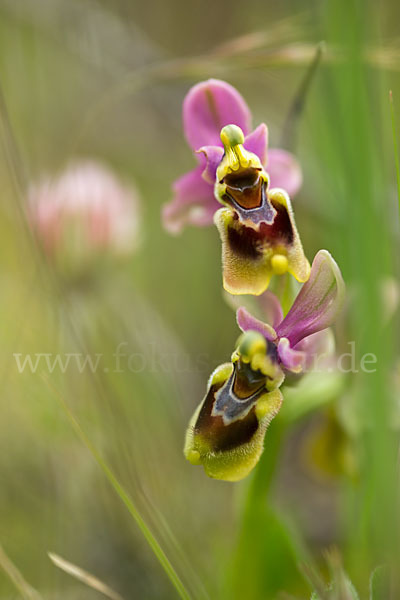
(193, 456)
(279, 264)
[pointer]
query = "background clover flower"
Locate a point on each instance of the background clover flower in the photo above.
(297, 336)
(207, 108)
(83, 215)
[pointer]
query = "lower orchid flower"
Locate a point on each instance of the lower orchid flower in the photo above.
(207, 108)
(226, 433)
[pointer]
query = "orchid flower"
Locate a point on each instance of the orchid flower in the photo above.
(257, 227)
(226, 433)
(207, 108)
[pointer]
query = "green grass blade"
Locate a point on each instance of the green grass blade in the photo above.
(126, 499)
(395, 147)
(290, 127)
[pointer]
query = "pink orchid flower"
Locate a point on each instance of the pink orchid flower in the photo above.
(226, 432)
(208, 107)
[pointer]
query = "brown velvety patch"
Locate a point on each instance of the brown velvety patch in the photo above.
(245, 241)
(219, 436)
(281, 229)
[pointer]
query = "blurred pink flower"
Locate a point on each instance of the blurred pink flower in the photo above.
(84, 213)
(207, 108)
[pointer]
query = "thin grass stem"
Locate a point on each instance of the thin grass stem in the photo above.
(126, 499)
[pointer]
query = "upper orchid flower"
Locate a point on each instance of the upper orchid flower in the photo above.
(207, 108)
(226, 433)
(257, 227)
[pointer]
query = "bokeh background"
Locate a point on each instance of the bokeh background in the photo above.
(105, 80)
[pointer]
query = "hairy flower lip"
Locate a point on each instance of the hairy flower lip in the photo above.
(229, 451)
(249, 248)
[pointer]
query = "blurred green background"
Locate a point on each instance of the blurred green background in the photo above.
(106, 80)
